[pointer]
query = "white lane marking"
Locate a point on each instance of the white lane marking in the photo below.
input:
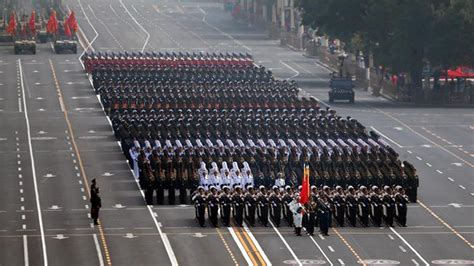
(415, 262)
(99, 251)
(450, 179)
(391, 237)
(389, 139)
(439, 171)
(138, 24)
(89, 44)
(257, 245)
(286, 243)
(409, 246)
(19, 105)
(410, 152)
(25, 250)
(428, 164)
(422, 136)
(297, 73)
(38, 205)
(84, 197)
(23, 217)
(462, 187)
(225, 34)
(402, 249)
(320, 249)
(321, 236)
(241, 248)
(341, 262)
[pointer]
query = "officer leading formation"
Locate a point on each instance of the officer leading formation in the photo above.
(217, 126)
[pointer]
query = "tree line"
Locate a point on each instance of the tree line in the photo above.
(403, 35)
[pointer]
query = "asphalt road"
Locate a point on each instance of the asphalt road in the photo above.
(54, 138)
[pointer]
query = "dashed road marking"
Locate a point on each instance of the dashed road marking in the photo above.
(439, 171)
(419, 158)
(429, 165)
(462, 187)
(450, 179)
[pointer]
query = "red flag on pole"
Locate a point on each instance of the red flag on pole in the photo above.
(32, 23)
(67, 30)
(52, 26)
(304, 194)
(12, 24)
(72, 21)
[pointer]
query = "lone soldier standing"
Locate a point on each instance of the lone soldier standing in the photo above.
(96, 202)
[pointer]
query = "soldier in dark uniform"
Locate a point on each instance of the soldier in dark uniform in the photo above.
(339, 206)
(275, 206)
(311, 217)
(168, 170)
(287, 199)
(179, 180)
(352, 206)
(250, 205)
(324, 214)
(401, 201)
(213, 206)
(96, 204)
(364, 205)
(389, 206)
(225, 202)
(199, 200)
(238, 206)
(376, 206)
(262, 207)
(150, 184)
(156, 166)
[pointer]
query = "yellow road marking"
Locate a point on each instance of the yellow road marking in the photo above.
(446, 224)
(227, 246)
(251, 255)
(79, 159)
(254, 248)
(359, 258)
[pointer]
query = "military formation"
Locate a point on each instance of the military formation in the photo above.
(280, 205)
(217, 126)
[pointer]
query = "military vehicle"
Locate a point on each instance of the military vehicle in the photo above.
(342, 88)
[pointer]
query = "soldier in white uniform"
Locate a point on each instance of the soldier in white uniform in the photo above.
(203, 176)
(247, 175)
(215, 177)
(225, 175)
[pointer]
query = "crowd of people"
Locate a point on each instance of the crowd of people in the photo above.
(216, 125)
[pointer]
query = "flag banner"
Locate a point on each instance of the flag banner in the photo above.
(304, 194)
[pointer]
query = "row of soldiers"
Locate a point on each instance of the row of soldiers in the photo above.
(326, 207)
(233, 124)
(183, 167)
(143, 76)
(148, 58)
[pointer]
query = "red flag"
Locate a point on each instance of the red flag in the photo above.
(12, 24)
(304, 194)
(32, 23)
(52, 26)
(72, 22)
(67, 30)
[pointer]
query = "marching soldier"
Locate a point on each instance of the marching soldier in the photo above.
(150, 184)
(275, 206)
(213, 206)
(339, 206)
(389, 206)
(401, 201)
(262, 207)
(311, 218)
(250, 205)
(376, 206)
(352, 206)
(238, 206)
(324, 214)
(199, 200)
(364, 204)
(225, 203)
(287, 199)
